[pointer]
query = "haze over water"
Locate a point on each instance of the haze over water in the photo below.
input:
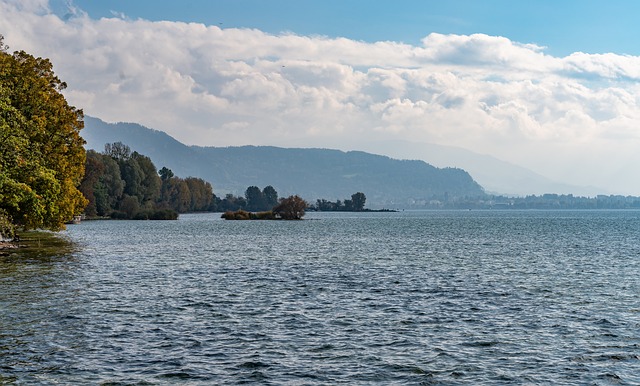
(479, 297)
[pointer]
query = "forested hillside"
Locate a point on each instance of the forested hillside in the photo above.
(311, 173)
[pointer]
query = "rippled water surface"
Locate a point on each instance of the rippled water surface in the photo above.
(480, 297)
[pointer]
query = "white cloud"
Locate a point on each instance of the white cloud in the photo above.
(207, 85)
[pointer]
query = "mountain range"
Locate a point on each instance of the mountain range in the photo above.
(496, 176)
(310, 173)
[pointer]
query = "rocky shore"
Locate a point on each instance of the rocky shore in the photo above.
(8, 245)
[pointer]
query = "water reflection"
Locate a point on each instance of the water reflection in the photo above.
(34, 278)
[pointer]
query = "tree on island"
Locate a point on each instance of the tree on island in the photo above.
(357, 201)
(41, 152)
(255, 199)
(270, 196)
(291, 208)
(356, 204)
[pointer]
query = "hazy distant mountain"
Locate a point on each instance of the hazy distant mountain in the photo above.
(311, 173)
(496, 176)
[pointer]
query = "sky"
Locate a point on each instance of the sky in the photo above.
(552, 86)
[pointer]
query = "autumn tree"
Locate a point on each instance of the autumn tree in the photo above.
(291, 208)
(176, 195)
(201, 194)
(41, 152)
(94, 169)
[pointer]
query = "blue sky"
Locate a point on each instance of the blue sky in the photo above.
(552, 86)
(563, 27)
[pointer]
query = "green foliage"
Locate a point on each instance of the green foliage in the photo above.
(201, 194)
(132, 175)
(270, 196)
(7, 230)
(93, 171)
(356, 204)
(149, 189)
(230, 203)
(102, 184)
(165, 173)
(253, 200)
(41, 152)
(158, 214)
(176, 194)
(129, 205)
(125, 184)
(118, 215)
(357, 201)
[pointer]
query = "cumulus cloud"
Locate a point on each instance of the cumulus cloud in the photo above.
(211, 86)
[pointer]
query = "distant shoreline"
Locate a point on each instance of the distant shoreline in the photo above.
(356, 211)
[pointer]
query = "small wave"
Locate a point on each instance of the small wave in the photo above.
(253, 365)
(481, 344)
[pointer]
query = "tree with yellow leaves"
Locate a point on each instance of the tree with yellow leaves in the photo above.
(41, 151)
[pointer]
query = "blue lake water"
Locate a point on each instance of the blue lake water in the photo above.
(437, 297)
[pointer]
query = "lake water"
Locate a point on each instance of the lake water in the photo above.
(477, 297)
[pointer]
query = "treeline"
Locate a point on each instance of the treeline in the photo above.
(254, 200)
(290, 208)
(261, 205)
(119, 183)
(356, 204)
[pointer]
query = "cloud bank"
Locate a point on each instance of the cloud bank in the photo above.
(571, 118)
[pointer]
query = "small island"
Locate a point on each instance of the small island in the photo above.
(355, 204)
(290, 208)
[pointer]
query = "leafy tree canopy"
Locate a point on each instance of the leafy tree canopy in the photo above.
(41, 152)
(125, 184)
(291, 208)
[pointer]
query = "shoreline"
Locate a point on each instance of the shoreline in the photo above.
(8, 245)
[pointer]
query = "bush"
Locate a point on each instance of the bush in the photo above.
(159, 214)
(291, 208)
(118, 215)
(237, 215)
(7, 230)
(163, 214)
(267, 215)
(244, 215)
(143, 215)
